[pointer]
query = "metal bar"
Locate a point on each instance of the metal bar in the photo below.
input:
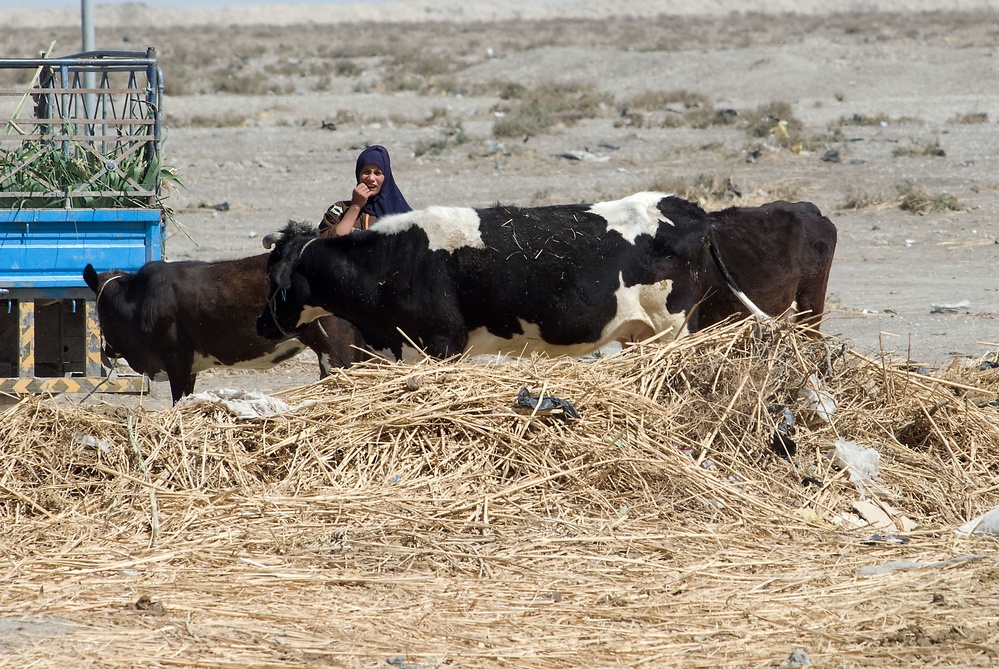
(61, 89)
(94, 366)
(26, 338)
(106, 59)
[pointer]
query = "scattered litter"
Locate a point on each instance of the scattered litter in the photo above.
(985, 524)
(907, 565)
(862, 463)
(492, 146)
(820, 402)
(874, 515)
(883, 516)
(885, 539)
(90, 440)
(848, 520)
(544, 405)
(797, 658)
(810, 516)
(949, 308)
(222, 206)
(737, 482)
(585, 155)
(401, 663)
(781, 444)
(242, 403)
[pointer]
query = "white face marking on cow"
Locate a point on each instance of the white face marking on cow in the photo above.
(634, 215)
(281, 352)
(448, 228)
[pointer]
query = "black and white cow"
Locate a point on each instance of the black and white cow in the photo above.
(181, 318)
(563, 280)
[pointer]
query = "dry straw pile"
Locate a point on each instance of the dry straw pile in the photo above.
(410, 515)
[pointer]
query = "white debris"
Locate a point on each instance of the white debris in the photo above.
(242, 403)
(985, 524)
(93, 442)
(952, 308)
(797, 658)
(907, 565)
(585, 155)
(862, 463)
(820, 401)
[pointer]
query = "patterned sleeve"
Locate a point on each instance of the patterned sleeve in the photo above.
(333, 215)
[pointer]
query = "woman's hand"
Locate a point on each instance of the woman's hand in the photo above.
(359, 196)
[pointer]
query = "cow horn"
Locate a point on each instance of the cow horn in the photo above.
(271, 239)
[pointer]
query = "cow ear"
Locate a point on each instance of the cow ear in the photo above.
(90, 276)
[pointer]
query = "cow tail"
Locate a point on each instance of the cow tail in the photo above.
(733, 286)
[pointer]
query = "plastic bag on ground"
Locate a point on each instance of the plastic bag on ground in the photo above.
(985, 524)
(861, 462)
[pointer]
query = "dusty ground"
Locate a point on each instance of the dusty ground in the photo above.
(887, 104)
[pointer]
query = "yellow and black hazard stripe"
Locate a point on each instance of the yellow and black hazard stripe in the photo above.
(83, 384)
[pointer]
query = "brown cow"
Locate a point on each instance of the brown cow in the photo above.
(779, 254)
(180, 318)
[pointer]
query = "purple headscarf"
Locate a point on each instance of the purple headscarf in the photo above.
(389, 199)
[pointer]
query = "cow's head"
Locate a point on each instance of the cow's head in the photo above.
(107, 315)
(289, 291)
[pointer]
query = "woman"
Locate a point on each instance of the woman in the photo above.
(375, 195)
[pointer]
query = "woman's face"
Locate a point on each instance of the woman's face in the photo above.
(372, 177)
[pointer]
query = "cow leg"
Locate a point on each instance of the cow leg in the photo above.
(333, 340)
(448, 341)
(181, 385)
(181, 377)
(811, 303)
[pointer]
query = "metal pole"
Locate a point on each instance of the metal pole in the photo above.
(89, 77)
